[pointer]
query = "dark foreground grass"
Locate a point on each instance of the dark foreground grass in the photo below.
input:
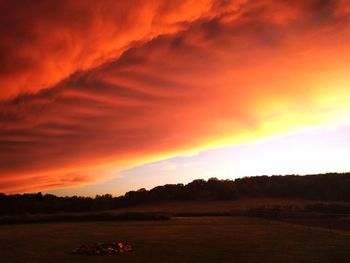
(200, 239)
(83, 217)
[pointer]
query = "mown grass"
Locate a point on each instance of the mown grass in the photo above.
(215, 206)
(83, 217)
(277, 209)
(198, 239)
(157, 211)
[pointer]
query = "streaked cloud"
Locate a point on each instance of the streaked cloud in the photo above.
(132, 85)
(45, 41)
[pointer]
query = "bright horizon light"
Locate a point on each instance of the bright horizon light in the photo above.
(310, 151)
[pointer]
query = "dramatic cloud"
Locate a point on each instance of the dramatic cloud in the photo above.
(189, 77)
(44, 41)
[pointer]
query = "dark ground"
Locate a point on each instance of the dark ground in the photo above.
(199, 239)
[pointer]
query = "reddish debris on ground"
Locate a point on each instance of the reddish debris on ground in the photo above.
(102, 248)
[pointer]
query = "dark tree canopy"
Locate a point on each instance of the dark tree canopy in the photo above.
(321, 187)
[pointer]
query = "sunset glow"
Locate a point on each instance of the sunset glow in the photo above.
(109, 96)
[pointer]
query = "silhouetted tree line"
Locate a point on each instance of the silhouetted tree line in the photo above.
(326, 187)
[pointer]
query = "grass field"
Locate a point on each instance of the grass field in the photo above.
(200, 239)
(213, 206)
(156, 211)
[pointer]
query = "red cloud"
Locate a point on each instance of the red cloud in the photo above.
(42, 42)
(222, 74)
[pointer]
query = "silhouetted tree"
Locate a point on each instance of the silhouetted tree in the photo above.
(327, 187)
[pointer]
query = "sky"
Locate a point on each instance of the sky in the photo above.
(111, 96)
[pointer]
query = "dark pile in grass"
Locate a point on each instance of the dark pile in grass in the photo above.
(102, 248)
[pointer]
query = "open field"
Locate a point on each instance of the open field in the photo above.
(200, 239)
(331, 215)
(214, 206)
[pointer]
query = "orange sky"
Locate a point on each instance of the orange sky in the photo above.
(89, 88)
